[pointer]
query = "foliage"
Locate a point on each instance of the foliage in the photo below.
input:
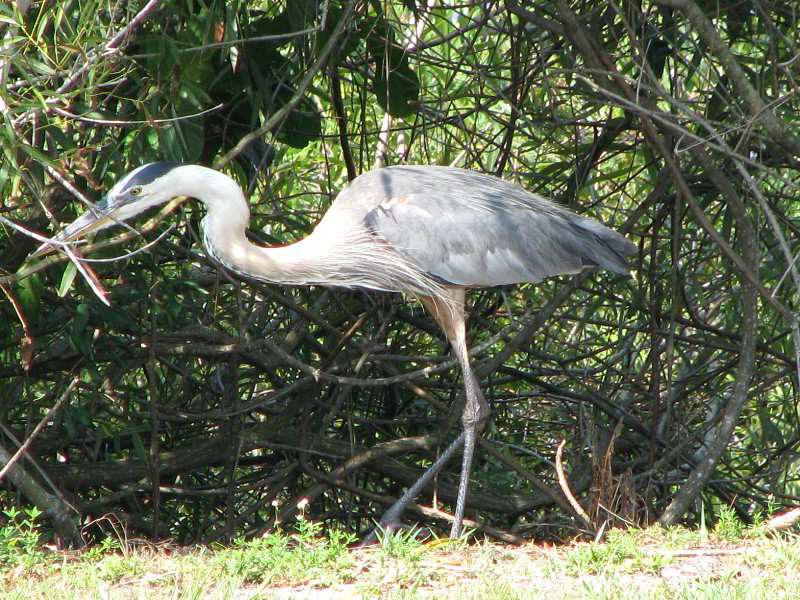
(729, 526)
(19, 537)
(656, 563)
(184, 426)
(401, 544)
(619, 553)
(305, 555)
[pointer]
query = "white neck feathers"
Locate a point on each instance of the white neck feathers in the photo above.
(341, 251)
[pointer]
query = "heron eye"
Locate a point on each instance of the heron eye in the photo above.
(135, 191)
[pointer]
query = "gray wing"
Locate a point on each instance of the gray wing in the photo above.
(470, 229)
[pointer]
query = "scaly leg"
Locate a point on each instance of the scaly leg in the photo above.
(476, 411)
(450, 315)
(449, 312)
(392, 516)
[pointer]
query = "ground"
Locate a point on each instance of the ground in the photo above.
(650, 564)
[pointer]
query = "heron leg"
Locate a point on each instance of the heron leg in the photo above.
(476, 411)
(450, 314)
(391, 516)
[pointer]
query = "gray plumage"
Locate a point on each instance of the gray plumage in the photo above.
(470, 229)
(427, 231)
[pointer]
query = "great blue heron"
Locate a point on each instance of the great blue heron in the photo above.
(430, 232)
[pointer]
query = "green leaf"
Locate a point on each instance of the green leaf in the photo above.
(770, 432)
(397, 89)
(168, 58)
(411, 5)
(302, 125)
(39, 156)
(189, 131)
(348, 43)
(116, 318)
(657, 52)
(29, 294)
(138, 445)
(81, 319)
(396, 85)
(302, 14)
(717, 107)
(66, 279)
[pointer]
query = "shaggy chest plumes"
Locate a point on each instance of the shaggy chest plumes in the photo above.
(348, 255)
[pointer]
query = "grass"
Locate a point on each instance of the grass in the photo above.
(729, 562)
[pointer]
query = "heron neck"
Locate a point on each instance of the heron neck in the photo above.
(224, 226)
(289, 265)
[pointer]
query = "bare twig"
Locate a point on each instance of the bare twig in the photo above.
(564, 484)
(50, 414)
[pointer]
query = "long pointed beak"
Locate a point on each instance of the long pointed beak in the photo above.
(94, 219)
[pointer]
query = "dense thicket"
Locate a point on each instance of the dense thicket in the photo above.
(673, 121)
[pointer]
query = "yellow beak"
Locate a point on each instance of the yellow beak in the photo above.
(92, 220)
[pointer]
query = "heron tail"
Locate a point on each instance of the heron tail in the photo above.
(604, 247)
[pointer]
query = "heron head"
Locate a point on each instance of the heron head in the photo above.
(144, 187)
